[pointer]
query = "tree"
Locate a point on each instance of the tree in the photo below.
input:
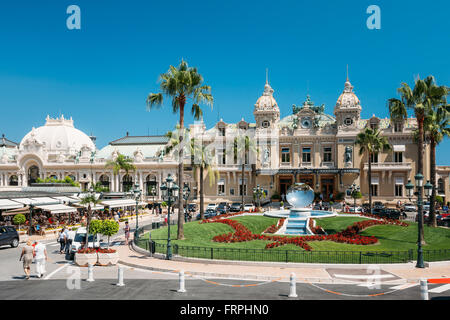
(243, 146)
(436, 127)
(109, 228)
(95, 227)
(121, 162)
(420, 100)
(90, 201)
(181, 84)
(371, 142)
(19, 219)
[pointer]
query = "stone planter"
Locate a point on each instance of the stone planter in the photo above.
(83, 259)
(108, 259)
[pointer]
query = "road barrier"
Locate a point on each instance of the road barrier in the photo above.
(90, 273)
(181, 282)
(424, 289)
(292, 286)
(120, 283)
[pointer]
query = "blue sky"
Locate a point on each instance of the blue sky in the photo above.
(100, 75)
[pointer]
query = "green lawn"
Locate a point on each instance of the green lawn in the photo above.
(391, 238)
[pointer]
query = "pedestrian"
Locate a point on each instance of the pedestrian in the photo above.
(40, 258)
(62, 237)
(116, 217)
(27, 255)
(127, 232)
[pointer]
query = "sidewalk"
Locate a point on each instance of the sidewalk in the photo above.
(315, 273)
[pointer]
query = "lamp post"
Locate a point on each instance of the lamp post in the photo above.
(419, 193)
(169, 193)
(257, 194)
(137, 196)
(354, 189)
(186, 194)
(153, 193)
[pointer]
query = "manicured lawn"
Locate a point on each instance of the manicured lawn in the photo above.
(391, 238)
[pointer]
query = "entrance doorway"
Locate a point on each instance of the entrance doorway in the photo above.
(307, 180)
(33, 174)
(285, 183)
(327, 188)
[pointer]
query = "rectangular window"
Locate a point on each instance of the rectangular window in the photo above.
(374, 190)
(231, 191)
(221, 157)
(222, 132)
(245, 190)
(397, 127)
(398, 157)
(374, 158)
(306, 154)
(399, 190)
(285, 155)
(327, 156)
(221, 189)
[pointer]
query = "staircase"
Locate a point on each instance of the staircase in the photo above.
(296, 226)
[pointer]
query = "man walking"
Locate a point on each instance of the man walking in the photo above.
(40, 258)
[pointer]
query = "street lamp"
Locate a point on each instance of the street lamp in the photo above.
(169, 193)
(153, 193)
(186, 194)
(354, 189)
(137, 196)
(419, 193)
(257, 194)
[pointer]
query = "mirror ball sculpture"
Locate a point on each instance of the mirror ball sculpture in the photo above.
(300, 195)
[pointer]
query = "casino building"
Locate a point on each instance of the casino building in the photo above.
(305, 146)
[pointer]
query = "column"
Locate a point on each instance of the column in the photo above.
(112, 182)
(141, 184)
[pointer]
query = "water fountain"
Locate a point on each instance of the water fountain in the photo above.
(300, 196)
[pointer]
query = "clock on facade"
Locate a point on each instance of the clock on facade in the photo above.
(306, 123)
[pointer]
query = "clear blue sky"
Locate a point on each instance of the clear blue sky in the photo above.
(100, 75)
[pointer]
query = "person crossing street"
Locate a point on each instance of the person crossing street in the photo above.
(40, 258)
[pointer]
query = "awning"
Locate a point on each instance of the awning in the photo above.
(43, 200)
(96, 207)
(119, 203)
(57, 208)
(399, 147)
(24, 210)
(6, 204)
(67, 200)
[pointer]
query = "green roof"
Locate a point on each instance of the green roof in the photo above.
(140, 140)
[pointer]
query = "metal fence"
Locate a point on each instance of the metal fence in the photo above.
(280, 255)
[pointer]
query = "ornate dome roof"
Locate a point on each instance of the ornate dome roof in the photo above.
(267, 102)
(348, 98)
(58, 135)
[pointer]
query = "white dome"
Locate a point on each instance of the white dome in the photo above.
(59, 135)
(266, 101)
(348, 98)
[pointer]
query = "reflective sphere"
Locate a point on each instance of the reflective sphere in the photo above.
(300, 195)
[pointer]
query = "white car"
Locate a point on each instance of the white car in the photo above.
(409, 207)
(77, 239)
(356, 210)
(212, 206)
(249, 207)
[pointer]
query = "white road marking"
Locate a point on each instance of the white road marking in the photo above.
(440, 289)
(405, 286)
(56, 271)
(362, 276)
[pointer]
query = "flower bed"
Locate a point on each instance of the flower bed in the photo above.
(274, 228)
(96, 256)
(349, 235)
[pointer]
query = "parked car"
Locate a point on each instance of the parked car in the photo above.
(9, 236)
(249, 207)
(192, 207)
(356, 209)
(378, 205)
(209, 213)
(222, 208)
(391, 213)
(443, 220)
(212, 206)
(409, 207)
(235, 207)
(78, 239)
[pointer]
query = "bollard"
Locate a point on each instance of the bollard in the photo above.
(424, 289)
(90, 273)
(181, 280)
(292, 287)
(120, 283)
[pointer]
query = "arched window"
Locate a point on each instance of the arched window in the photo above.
(13, 180)
(127, 183)
(71, 176)
(104, 181)
(151, 186)
(33, 174)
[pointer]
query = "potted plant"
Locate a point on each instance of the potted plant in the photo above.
(275, 197)
(19, 219)
(107, 257)
(86, 256)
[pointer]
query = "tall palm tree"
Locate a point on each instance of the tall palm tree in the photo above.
(371, 142)
(180, 84)
(91, 201)
(436, 126)
(243, 146)
(121, 162)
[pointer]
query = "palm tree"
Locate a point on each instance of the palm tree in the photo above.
(243, 146)
(436, 126)
(121, 162)
(371, 142)
(181, 84)
(89, 200)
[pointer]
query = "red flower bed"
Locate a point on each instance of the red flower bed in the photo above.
(275, 227)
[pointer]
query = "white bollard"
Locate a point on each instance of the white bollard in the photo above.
(424, 289)
(292, 287)
(90, 273)
(120, 283)
(181, 280)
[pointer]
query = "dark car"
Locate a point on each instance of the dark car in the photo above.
(192, 207)
(9, 236)
(209, 213)
(222, 208)
(378, 205)
(235, 207)
(391, 213)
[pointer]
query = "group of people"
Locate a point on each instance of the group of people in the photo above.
(36, 251)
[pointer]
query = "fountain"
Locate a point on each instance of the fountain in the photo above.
(300, 196)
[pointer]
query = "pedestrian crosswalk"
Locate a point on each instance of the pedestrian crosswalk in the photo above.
(440, 289)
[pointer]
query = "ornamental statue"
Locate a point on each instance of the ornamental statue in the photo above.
(348, 154)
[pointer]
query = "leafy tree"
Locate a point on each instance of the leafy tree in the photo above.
(95, 227)
(90, 201)
(121, 162)
(109, 228)
(19, 219)
(181, 84)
